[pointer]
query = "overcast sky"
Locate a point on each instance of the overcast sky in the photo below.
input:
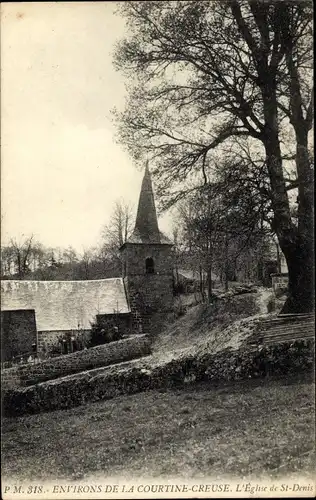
(61, 168)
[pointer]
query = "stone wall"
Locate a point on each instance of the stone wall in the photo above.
(104, 355)
(150, 296)
(141, 375)
(18, 333)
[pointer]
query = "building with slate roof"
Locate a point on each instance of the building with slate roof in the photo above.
(137, 302)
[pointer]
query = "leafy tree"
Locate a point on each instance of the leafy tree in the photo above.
(211, 78)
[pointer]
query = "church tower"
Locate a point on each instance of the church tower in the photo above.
(148, 266)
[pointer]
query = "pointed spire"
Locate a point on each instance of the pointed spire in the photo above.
(146, 227)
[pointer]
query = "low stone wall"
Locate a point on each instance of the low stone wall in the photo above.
(132, 347)
(141, 375)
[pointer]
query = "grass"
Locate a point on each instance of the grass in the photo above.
(245, 429)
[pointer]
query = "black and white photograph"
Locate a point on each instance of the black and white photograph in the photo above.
(157, 249)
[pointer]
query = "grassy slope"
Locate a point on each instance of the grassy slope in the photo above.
(210, 328)
(246, 429)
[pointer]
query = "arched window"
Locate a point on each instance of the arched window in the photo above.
(150, 268)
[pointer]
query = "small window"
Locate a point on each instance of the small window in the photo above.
(150, 268)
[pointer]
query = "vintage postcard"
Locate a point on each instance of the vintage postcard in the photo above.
(157, 252)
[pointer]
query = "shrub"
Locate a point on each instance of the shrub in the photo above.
(100, 335)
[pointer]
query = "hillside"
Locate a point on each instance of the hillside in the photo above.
(213, 327)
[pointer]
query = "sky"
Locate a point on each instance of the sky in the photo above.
(61, 168)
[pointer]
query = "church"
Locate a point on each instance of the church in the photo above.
(41, 316)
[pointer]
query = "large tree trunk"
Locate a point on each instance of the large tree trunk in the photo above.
(210, 268)
(300, 255)
(301, 278)
(295, 242)
(226, 263)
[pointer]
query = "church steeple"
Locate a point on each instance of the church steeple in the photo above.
(146, 226)
(147, 264)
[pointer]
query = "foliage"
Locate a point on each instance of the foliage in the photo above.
(115, 233)
(101, 335)
(220, 234)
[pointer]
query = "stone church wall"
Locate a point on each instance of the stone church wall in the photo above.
(150, 295)
(151, 298)
(135, 255)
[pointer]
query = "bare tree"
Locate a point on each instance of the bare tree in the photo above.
(212, 76)
(22, 251)
(86, 258)
(7, 261)
(121, 223)
(219, 229)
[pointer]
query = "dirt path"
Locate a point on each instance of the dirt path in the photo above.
(264, 295)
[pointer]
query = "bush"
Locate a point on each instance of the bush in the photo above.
(100, 335)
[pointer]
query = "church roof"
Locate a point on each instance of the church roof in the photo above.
(146, 226)
(62, 305)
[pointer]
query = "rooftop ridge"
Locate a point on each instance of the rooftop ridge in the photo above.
(61, 281)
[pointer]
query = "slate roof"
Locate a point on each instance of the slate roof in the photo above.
(146, 226)
(62, 305)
